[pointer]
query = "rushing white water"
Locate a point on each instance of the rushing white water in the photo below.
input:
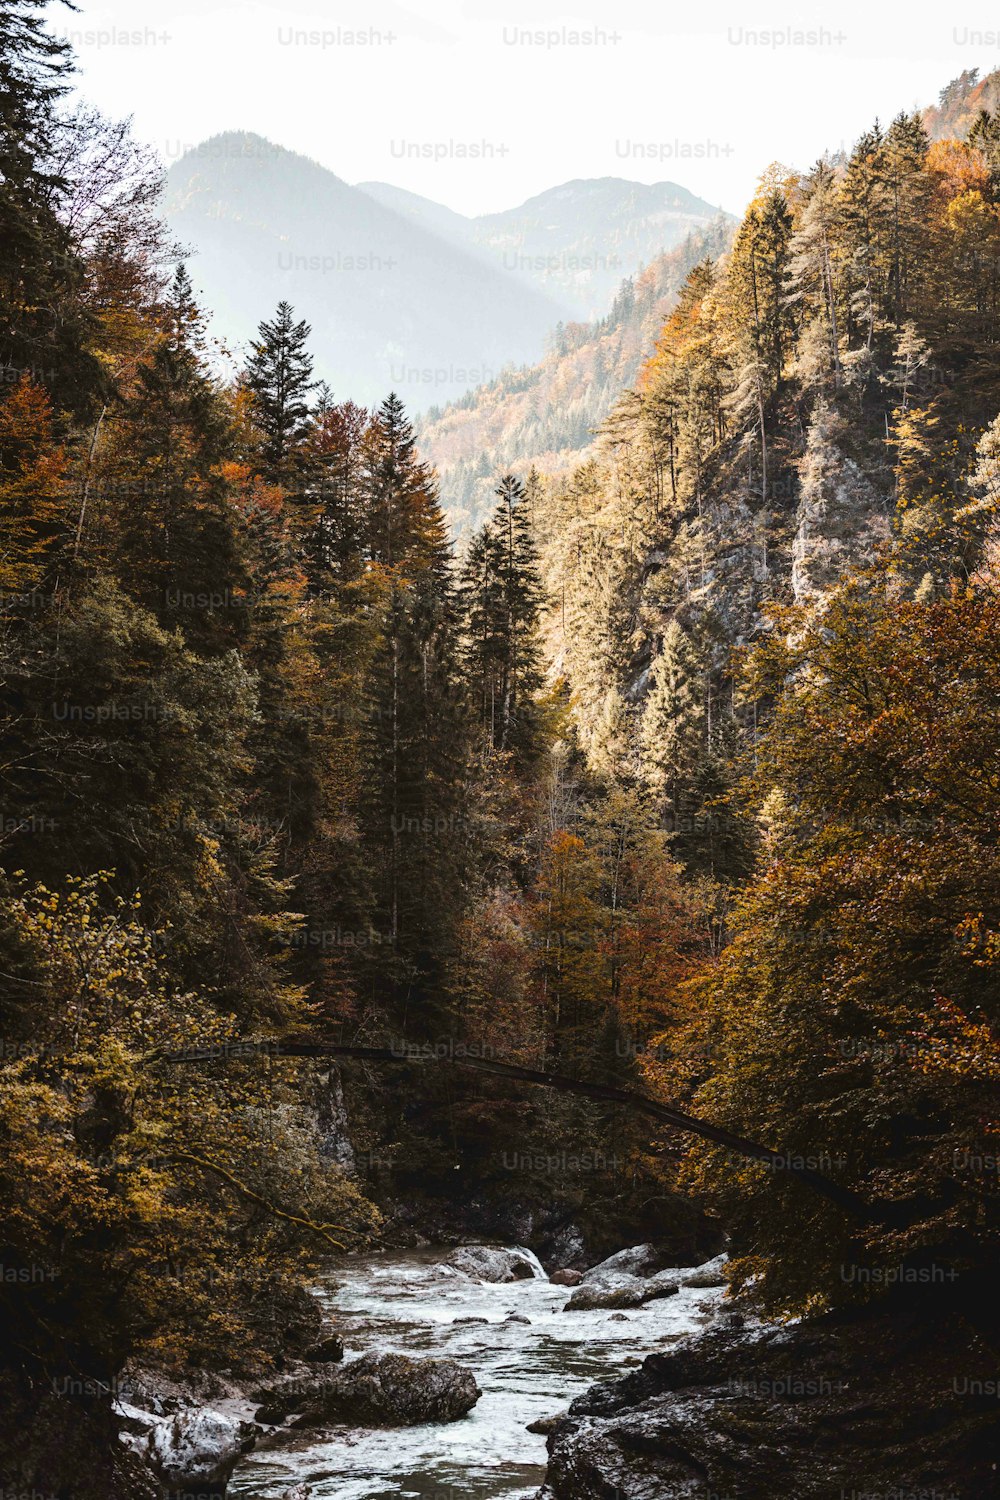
(404, 1303)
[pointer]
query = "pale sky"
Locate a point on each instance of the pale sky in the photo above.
(449, 99)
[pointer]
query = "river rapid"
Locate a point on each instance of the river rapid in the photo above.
(409, 1303)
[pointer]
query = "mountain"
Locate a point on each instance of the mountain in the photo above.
(577, 241)
(393, 304)
(547, 413)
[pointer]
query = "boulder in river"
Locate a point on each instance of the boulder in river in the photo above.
(196, 1450)
(492, 1263)
(391, 1390)
(663, 1284)
(622, 1290)
(544, 1425)
(613, 1291)
(566, 1277)
(328, 1351)
(711, 1274)
(638, 1260)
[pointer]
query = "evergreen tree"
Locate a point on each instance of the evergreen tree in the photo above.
(161, 501)
(502, 596)
(813, 280)
(279, 377)
(333, 463)
(45, 330)
(759, 317)
(417, 735)
(673, 729)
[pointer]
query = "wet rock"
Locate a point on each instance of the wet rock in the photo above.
(197, 1450)
(288, 1394)
(613, 1291)
(270, 1416)
(664, 1284)
(333, 1127)
(639, 1260)
(328, 1351)
(544, 1425)
(133, 1421)
(866, 1402)
(711, 1274)
(489, 1263)
(618, 1289)
(565, 1246)
(517, 1318)
(456, 1321)
(566, 1277)
(392, 1390)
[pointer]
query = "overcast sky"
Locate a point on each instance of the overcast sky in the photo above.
(451, 99)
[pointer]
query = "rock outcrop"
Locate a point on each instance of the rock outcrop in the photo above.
(893, 1402)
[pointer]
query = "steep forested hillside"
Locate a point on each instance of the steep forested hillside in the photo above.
(773, 598)
(548, 414)
(960, 104)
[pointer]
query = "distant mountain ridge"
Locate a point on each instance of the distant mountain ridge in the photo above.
(401, 292)
(392, 304)
(577, 241)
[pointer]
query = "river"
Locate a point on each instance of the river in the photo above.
(406, 1303)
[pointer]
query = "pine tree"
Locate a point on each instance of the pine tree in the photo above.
(416, 749)
(813, 280)
(673, 728)
(759, 316)
(333, 465)
(279, 375)
(502, 596)
(162, 514)
(45, 329)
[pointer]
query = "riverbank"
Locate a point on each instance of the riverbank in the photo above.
(897, 1402)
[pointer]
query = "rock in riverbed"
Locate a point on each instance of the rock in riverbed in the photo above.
(329, 1350)
(544, 1425)
(638, 1260)
(618, 1291)
(711, 1274)
(615, 1292)
(192, 1452)
(489, 1263)
(389, 1390)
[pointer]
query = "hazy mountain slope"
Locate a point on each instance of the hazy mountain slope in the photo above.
(577, 241)
(960, 102)
(435, 217)
(584, 237)
(392, 305)
(546, 414)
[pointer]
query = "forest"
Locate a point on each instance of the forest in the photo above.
(680, 776)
